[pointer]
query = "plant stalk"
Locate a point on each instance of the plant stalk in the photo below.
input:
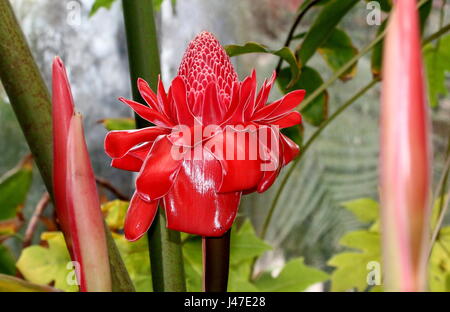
(143, 55)
(216, 262)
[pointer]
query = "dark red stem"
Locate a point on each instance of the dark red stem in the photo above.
(216, 263)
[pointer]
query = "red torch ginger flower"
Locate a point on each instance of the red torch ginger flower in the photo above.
(214, 138)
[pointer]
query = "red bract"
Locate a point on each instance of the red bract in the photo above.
(405, 153)
(75, 192)
(214, 138)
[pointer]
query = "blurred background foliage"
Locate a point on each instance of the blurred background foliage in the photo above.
(310, 222)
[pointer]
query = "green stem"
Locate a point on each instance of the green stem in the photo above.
(294, 26)
(164, 245)
(436, 35)
(166, 256)
(305, 148)
(216, 263)
(26, 90)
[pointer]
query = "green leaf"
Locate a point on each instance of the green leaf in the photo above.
(115, 212)
(245, 245)
(42, 265)
(328, 18)
(136, 258)
(439, 265)
(253, 47)
(119, 124)
(295, 276)
(317, 111)
(351, 267)
(437, 64)
(14, 187)
(13, 284)
(101, 4)
(7, 262)
(337, 51)
(365, 209)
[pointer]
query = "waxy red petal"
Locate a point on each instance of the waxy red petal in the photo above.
(133, 159)
(212, 110)
(280, 107)
(241, 169)
(286, 121)
(118, 143)
(290, 149)
(183, 112)
(149, 114)
(193, 205)
(261, 100)
(159, 171)
(140, 216)
(148, 95)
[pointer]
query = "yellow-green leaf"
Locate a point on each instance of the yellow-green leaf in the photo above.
(52, 264)
(295, 276)
(119, 124)
(14, 284)
(115, 212)
(365, 209)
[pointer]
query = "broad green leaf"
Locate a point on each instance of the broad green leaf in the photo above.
(328, 18)
(437, 64)
(245, 245)
(317, 111)
(337, 50)
(115, 212)
(7, 262)
(43, 265)
(136, 258)
(98, 4)
(14, 187)
(365, 209)
(253, 47)
(14, 284)
(295, 276)
(351, 267)
(119, 124)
